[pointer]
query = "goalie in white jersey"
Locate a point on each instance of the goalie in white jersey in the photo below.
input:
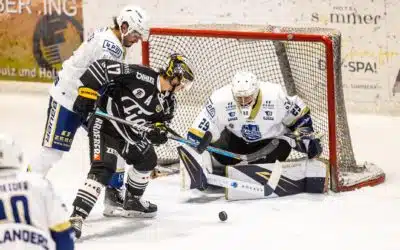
(64, 116)
(31, 214)
(245, 117)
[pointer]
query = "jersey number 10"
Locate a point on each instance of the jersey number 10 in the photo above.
(19, 208)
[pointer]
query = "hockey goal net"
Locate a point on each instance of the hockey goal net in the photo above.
(305, 61)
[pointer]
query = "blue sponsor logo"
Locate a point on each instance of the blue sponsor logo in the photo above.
(114, 49)
(234, 184)
(232, 116)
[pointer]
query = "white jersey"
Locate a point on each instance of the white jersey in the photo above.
(102, 44)
(272, 115)
(30, 213)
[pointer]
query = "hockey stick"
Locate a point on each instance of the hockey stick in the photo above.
(248, 158)
(120, 120)
(266, 150)
(258, 189)
(199, 146)
(251, 157)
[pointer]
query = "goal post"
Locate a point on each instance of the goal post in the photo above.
(305, 61)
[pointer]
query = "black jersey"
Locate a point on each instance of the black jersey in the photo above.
(130, 92)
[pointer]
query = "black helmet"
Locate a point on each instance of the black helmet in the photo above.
(179, 66)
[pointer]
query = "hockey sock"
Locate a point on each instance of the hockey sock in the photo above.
(87, 197)
(137, 181)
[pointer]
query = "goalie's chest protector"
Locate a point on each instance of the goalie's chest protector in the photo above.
(265, 120)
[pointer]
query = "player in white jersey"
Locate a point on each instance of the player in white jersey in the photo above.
(244, 117)
(64, 116)
(31, 214)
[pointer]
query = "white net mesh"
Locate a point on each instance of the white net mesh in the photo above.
(299, 66)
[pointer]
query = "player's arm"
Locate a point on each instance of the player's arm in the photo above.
(95, 81)
(59, 225)
(298, 119)
(207, 120)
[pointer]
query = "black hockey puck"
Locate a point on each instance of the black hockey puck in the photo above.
(223, 216)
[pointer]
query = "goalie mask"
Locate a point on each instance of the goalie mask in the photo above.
(245, 89)
(137, 21)
(10, 153)
(179, 66)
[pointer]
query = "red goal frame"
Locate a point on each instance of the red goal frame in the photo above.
(330, 79)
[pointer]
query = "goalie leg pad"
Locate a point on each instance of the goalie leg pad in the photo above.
(193, 165)
(297, 177)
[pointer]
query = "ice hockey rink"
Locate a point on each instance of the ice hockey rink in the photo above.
(365, 219)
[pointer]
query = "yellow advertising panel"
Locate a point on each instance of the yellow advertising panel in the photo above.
(36, 36)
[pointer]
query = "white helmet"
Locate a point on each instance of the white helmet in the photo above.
(136, 18)
(245, 88)
(10, 153)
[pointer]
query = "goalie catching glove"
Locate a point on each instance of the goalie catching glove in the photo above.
(307, 142)
(85, 102)
(157, 134)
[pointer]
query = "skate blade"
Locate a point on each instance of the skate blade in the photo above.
(137, 214)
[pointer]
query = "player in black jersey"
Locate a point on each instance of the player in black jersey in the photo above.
(138, 94)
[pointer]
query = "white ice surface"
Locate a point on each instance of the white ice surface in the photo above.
(365, 219)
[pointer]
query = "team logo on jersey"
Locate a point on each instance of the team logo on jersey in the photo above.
(159, 108)
(114, 49)
(144, 77)
(251, 132)
(138, 93)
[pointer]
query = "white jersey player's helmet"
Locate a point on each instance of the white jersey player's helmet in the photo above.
(136, 18)
(245, 89)
(10, 153)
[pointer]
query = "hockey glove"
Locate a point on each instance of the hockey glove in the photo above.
(85, 102)
(157, 135)
(307, 142)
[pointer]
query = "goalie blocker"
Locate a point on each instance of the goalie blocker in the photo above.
(253, 181)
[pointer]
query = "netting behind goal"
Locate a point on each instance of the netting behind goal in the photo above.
(305, 61)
